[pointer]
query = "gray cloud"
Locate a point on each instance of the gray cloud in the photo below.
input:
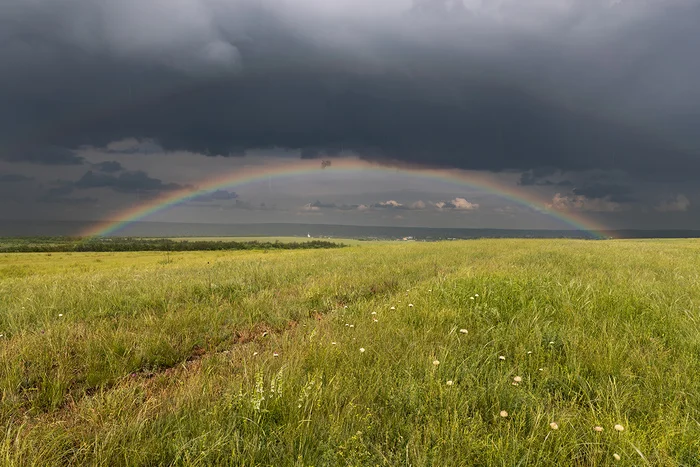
(538, 177)
(218, 195)
(68, 201)
(676, 203)
(136, 181)
(41, 154)
(108, 167)
(612, 192)
(13, 178)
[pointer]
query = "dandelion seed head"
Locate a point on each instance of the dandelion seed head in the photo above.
(619, 427)
(503, 413)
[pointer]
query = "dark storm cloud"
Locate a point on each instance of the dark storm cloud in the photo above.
(570, 87)
(14, 178)
(126, 182)
(108, 167)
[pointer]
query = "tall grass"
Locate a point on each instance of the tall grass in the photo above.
(248, 358)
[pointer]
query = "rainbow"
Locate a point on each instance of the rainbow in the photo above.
(254, 174)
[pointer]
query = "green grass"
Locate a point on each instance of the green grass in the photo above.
(252, 358)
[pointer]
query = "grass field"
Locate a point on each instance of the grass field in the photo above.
(378, 354)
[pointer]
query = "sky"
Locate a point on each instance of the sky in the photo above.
(588, 109)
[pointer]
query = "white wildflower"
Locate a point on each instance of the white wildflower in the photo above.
(616, 456)
(436, 362)
(619, 428)
(598, 428)
(449, 383)
(502, 357)
(362, 349)
(463, 331)
(517, 379)
(503, 413)
(554, 426)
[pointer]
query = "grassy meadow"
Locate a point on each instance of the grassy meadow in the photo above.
(484, 352)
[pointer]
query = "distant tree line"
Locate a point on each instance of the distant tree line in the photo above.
(36, 245)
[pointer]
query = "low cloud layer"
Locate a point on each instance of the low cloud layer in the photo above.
(458, 204)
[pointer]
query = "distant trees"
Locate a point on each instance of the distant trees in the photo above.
(57, 245)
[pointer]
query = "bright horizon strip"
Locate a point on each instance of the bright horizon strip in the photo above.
(259, 173)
